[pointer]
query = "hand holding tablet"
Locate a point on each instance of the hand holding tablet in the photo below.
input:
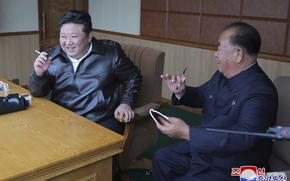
(156, 116)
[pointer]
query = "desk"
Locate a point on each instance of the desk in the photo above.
(49, 142)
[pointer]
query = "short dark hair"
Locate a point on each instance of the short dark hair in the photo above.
(245, 36)
(77, 17)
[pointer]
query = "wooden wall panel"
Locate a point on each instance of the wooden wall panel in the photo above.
(273, 35)
(154, 5)
(266, 8)
(188, 6)
(288, 44)
(225, 7)
(181, 17)
(211, 26)
(153, 24)
(183, 27)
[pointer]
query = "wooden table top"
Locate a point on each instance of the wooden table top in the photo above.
(46, 138)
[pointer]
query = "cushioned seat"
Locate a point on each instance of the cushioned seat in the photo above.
(280, 158)
(142, 132)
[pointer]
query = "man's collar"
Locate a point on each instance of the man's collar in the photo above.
(238, 80)
(250, 65)
(98, 47)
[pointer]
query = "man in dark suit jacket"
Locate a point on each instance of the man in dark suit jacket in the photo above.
(238, 97)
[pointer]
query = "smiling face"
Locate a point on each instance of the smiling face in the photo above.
(227, 55)
(73, 41)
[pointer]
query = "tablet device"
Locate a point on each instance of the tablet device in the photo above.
(156, 114)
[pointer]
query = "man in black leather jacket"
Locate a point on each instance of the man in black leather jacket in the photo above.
(84, 74)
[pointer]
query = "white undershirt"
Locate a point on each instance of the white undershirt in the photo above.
(76, 62)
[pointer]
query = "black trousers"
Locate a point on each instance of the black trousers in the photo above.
(113, 125)
(174, 164)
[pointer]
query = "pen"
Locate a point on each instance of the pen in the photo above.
(182, 78)
(37, 52)
(184, 70)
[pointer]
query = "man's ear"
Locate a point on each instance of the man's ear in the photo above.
(239, 54)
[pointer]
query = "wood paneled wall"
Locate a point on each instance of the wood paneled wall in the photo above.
(200, 62)
(199, 22)
(17, 56)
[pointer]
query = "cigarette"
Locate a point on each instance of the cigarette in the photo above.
(37, 52)
(184, 71)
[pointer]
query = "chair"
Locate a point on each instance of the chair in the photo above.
(142, 132)
(280, 158)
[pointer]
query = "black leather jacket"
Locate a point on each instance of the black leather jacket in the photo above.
(94, 90)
